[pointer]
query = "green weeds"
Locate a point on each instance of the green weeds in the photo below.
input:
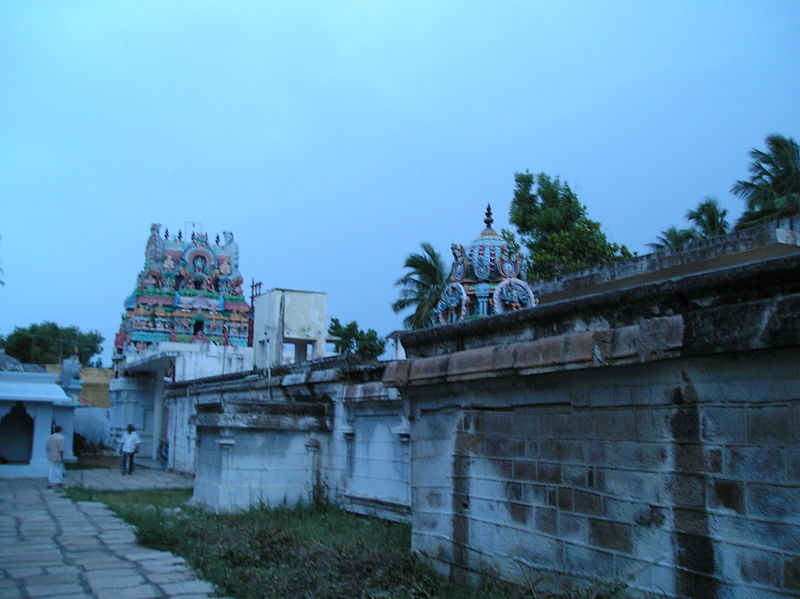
(305, 552)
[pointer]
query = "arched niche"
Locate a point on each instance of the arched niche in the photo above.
(16, 436)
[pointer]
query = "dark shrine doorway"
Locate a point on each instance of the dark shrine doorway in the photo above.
(16, 436)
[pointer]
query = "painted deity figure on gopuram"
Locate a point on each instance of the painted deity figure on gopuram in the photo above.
(487, 277)
(189, 290)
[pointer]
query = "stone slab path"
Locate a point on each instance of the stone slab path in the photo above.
(51, 547)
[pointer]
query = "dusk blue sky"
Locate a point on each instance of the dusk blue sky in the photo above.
(333, 137)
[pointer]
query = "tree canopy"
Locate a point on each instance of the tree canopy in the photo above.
(554, 227)
(709, 220)
(48, 343)
(351, 339)
(673, 238)
(420, 287)
(773, 189)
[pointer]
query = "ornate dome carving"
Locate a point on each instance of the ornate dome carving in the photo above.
(487, 278)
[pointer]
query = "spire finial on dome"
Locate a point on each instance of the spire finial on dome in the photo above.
(488, 220)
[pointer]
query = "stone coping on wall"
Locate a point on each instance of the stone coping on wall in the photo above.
(312, 417)
(769, 240)
(749, 307)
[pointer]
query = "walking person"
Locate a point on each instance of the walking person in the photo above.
(55, 455)
(128, 448)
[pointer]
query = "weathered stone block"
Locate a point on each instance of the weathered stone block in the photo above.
(525, 426)
(724, 425)
(686, 490)
(562, 451)
(658, 335)
(625, 342)
(691, 521)
(547, 553)
(620, 510)
(588, 503)
(579, 347)
(616, 424)
(653, 424)
(537, 354)
(793, 459)
(497, 423)
(692, 457)
(610, 535)
(396, 373)
(579, 425)
(548, 473)
(760, 567)
(503, 447)
(622, 483)
(565, 499)
(464, 364)
(525, 470)
(684, 422)
(574, 475)
(643, 456)
(573, 528)
(770, 425)
(589, 562)
(426, 371)
(597, 452)
(756, 464)
(504, 469)
(546, 520)
(728, 494)
(791, 573)
(774, 501)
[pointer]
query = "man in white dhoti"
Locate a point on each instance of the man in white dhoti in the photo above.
(55, 455)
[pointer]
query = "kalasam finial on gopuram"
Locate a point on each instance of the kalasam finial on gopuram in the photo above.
(487, 277)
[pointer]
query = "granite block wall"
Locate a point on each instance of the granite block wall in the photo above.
(677, 477)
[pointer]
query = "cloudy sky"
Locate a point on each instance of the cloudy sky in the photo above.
(333, 137)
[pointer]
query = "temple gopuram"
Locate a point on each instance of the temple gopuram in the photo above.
(487, 277)
(186, 319)
(189, 289)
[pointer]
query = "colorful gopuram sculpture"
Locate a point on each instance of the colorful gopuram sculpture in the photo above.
(487, 278)
(189, 290)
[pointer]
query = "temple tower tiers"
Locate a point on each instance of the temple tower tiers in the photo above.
(189, 289)
(186, 319)
(487, 278)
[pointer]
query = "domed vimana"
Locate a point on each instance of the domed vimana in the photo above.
(487, 278)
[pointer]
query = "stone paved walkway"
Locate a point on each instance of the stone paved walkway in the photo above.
(53, 547)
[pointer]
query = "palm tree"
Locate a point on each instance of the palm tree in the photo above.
(673, 238)
(709, 218)
(421, 286)
(773, 190)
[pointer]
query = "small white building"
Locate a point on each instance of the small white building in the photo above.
(289, 326)
(31, 404)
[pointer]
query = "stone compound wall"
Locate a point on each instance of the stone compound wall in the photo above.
(323, 430)
(649, 435)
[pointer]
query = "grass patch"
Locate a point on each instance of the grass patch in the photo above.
(311, 553)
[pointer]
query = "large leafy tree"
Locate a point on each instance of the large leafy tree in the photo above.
(773, 189)
(420, 287)
(48, 343)
(553, 225)
(351, 339)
